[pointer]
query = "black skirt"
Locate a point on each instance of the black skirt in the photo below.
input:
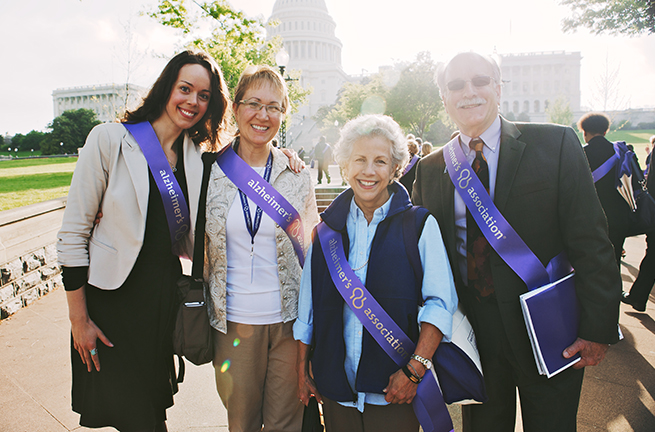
(136, 381)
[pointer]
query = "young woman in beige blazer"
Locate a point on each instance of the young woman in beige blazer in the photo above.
(120, 275)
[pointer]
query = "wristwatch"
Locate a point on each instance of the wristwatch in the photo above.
(427, 364)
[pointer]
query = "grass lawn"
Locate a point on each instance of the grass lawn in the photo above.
(28, 181)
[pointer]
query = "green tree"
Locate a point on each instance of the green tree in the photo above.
(235, 41)
(407, 92)
(17, 140)
(630, 17)
(32, 141)
(69, 131)
(559, 112)
(414, 102)
(354, 99)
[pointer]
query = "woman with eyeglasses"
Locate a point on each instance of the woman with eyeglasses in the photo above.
(252, 265)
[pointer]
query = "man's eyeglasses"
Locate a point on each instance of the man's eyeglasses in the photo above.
(478, 81)
(275, 110)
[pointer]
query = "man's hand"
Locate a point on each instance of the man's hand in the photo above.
(592, 353)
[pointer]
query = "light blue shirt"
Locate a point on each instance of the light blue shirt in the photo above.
(491, 151)
(440, 298)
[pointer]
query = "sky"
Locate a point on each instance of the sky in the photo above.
(46, 44)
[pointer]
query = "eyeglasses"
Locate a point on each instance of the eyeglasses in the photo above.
(478, 81)
(274, 110)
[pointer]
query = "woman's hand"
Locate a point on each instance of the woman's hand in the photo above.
(85, 332)
(98, 217)
(295, 162)
(85, 336)
(400, 389)
(307, 389)
(306, 385)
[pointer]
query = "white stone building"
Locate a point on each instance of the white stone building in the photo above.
(108, 100)
(308, 35)
(532, 81)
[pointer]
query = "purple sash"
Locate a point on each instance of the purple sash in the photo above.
(175, 205)
(600, 172)
(411, 163)
(498, 232)
(264, 195)
(429, 406)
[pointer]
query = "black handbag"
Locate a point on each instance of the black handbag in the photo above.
(311, 419)
(642, 219)
(192, 336)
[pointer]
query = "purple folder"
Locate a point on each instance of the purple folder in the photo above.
(552, 317)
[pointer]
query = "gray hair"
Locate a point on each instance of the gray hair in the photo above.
(372, 125)
(443, 68)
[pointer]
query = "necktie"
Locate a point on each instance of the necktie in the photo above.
(478, 249)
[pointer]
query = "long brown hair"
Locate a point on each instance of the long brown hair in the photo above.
(214, 126)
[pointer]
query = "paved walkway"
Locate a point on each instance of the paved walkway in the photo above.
(617, 396)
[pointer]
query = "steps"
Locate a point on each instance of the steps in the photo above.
(326, 194)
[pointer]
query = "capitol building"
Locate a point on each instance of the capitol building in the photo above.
(308, 36)
(532, 81)
(108, 101)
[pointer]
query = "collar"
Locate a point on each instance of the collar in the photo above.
(491, 137)
(336, 215)
(378, 215)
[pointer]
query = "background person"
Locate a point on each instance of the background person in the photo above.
(376, 396)
(539, 180)
(323, 154)
(643, 285)
(594, 126)
(426, 149)
(120, 276)
(252, 270)
(407, 179)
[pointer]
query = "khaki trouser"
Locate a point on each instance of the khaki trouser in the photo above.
(255, 367)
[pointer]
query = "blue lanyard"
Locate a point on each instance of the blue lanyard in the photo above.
(252, 229)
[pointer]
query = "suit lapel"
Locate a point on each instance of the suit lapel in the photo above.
(138, 169)
(511, 151)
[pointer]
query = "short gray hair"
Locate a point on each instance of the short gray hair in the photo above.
(443, 68)
(372, 125)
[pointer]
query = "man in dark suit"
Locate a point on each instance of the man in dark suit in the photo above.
(539, 179)
(594, 126)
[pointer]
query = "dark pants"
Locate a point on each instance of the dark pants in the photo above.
(375, 418)
(643, 285)
(323, 168)
(617, 239)
(546, 404)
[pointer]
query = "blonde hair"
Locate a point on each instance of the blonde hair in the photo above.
(256, 76)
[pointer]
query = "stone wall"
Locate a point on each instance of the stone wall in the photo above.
(28, 256)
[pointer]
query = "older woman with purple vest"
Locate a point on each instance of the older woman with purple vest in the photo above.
(372, 246)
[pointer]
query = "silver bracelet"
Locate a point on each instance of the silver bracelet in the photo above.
(427, 363)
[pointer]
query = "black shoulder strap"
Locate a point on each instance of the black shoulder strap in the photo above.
(413, 222)
(199, 236)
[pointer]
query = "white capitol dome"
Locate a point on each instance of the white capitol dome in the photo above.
(308, 35)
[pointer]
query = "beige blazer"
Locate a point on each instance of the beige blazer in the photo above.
(112, 174)
(221, 192)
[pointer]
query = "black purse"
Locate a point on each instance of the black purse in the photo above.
(192, 336)
(642, 219)
(311, 419)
